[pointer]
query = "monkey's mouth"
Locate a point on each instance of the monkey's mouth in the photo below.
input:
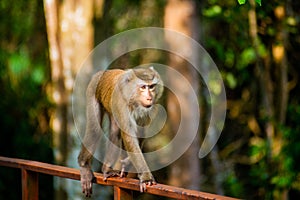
(147, 104)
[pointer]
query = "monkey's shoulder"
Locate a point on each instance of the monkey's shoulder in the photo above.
(110, 77)
(106, 86)
(111, 74)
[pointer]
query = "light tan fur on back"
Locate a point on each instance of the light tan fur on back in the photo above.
(106, 86)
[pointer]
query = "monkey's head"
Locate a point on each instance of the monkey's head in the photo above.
(149, 86)
(146, 86)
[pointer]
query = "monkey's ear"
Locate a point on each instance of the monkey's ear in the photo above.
(151, 67)
(128, 76)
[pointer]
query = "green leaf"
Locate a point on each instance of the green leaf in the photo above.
(38, 75)
(19, 63)
(258, 1)
(212, 11)
(242, 2)
(247, 57)
(231, 80)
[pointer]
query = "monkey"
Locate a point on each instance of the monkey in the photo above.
(127, 98)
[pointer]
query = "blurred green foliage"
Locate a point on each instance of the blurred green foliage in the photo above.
(244, 1)
(24, 106)
(258, 172)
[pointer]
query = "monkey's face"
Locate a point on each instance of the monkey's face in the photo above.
(140, 88)
(146, 94)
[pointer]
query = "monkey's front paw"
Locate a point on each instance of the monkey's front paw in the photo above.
(143, 185)
(146, 179)
(86, 179)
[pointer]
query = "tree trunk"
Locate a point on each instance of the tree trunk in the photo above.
(279, 55)
(70, 37)
(274, 109)
(264, 79)
(181, 16)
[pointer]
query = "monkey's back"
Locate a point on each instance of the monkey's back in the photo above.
(106, 86)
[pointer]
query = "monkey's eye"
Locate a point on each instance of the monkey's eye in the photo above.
(152, 87)
(143, 87)
(149, 87)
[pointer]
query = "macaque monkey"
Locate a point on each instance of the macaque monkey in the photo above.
(127, 98)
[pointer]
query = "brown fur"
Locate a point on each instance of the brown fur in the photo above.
(118, 93)
(106, 86)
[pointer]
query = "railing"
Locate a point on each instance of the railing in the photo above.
(123, 187)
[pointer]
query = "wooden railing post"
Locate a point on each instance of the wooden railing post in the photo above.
(30, 185)
(122, 194)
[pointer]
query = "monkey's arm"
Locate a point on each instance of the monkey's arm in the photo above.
(137, 159)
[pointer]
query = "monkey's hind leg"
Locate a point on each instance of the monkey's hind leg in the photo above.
(111, 166)
(91, 137)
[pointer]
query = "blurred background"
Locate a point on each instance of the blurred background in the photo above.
(256, 48)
